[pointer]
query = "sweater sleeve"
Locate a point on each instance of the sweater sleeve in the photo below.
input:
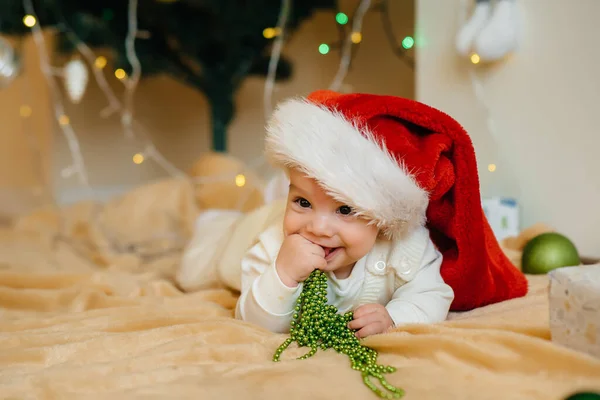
(426, 298)
(265, 300)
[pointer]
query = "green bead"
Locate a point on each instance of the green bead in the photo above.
(317, 324)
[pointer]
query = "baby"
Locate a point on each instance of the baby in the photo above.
(374, 202)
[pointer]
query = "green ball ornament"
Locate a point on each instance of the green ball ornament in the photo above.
(547, 252)
(316, 324)
(584, 396)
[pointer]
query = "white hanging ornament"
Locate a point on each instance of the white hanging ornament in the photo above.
(469, 31)
(9, 63)
(76, 77)
(492, 31)
(500, 36)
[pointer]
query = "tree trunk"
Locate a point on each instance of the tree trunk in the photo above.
(222, 110)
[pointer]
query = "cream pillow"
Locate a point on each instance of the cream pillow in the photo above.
(221, 238)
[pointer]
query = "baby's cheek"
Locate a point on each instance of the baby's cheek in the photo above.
(292, 223)
(356, 251)
(358, 238)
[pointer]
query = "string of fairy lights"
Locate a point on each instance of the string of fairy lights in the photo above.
(134, 129)
(277, 33)
(125, 107)
(478, 89)
(356, 31)
(356, 36)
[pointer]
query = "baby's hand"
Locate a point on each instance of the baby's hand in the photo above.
(371, 319)
(297, 258)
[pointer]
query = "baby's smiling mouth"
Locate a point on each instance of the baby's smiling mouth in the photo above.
(329, 250)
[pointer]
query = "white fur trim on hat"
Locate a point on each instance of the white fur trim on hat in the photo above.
(349, 164)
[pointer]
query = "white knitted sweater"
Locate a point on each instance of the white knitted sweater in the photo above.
(403, 275)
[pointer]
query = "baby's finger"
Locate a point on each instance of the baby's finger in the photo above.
(358, 323)
(317, 262)
(370, 329)
(365, 309)
(317, 250)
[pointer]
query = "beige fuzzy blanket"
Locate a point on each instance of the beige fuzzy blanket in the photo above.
(89, 309)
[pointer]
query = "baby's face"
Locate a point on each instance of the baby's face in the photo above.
(313, 214)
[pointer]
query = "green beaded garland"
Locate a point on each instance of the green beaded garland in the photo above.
(316, 324)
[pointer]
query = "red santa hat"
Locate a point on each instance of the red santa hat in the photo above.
(400, 164)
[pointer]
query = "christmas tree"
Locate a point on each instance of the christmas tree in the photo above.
(211, 45)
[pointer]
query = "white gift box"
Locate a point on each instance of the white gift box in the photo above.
(503, 216)
(575, 307)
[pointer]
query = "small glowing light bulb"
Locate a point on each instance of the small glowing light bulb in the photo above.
(269, 33)
(138, 158)
(323, 48)
(492, 167)
(475, 58)
(341, 18)
(29, 21)
(63, 120)
(100, 62)
(356, 37)
(240, 180)
(120, 73)
(408, 42)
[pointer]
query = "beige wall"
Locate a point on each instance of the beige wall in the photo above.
(545, 104)
(25, 142)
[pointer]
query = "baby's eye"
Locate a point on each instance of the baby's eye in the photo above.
(302, 202)
(345, 210)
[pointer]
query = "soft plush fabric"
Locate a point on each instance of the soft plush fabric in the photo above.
(85, 315)
(400, 164)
